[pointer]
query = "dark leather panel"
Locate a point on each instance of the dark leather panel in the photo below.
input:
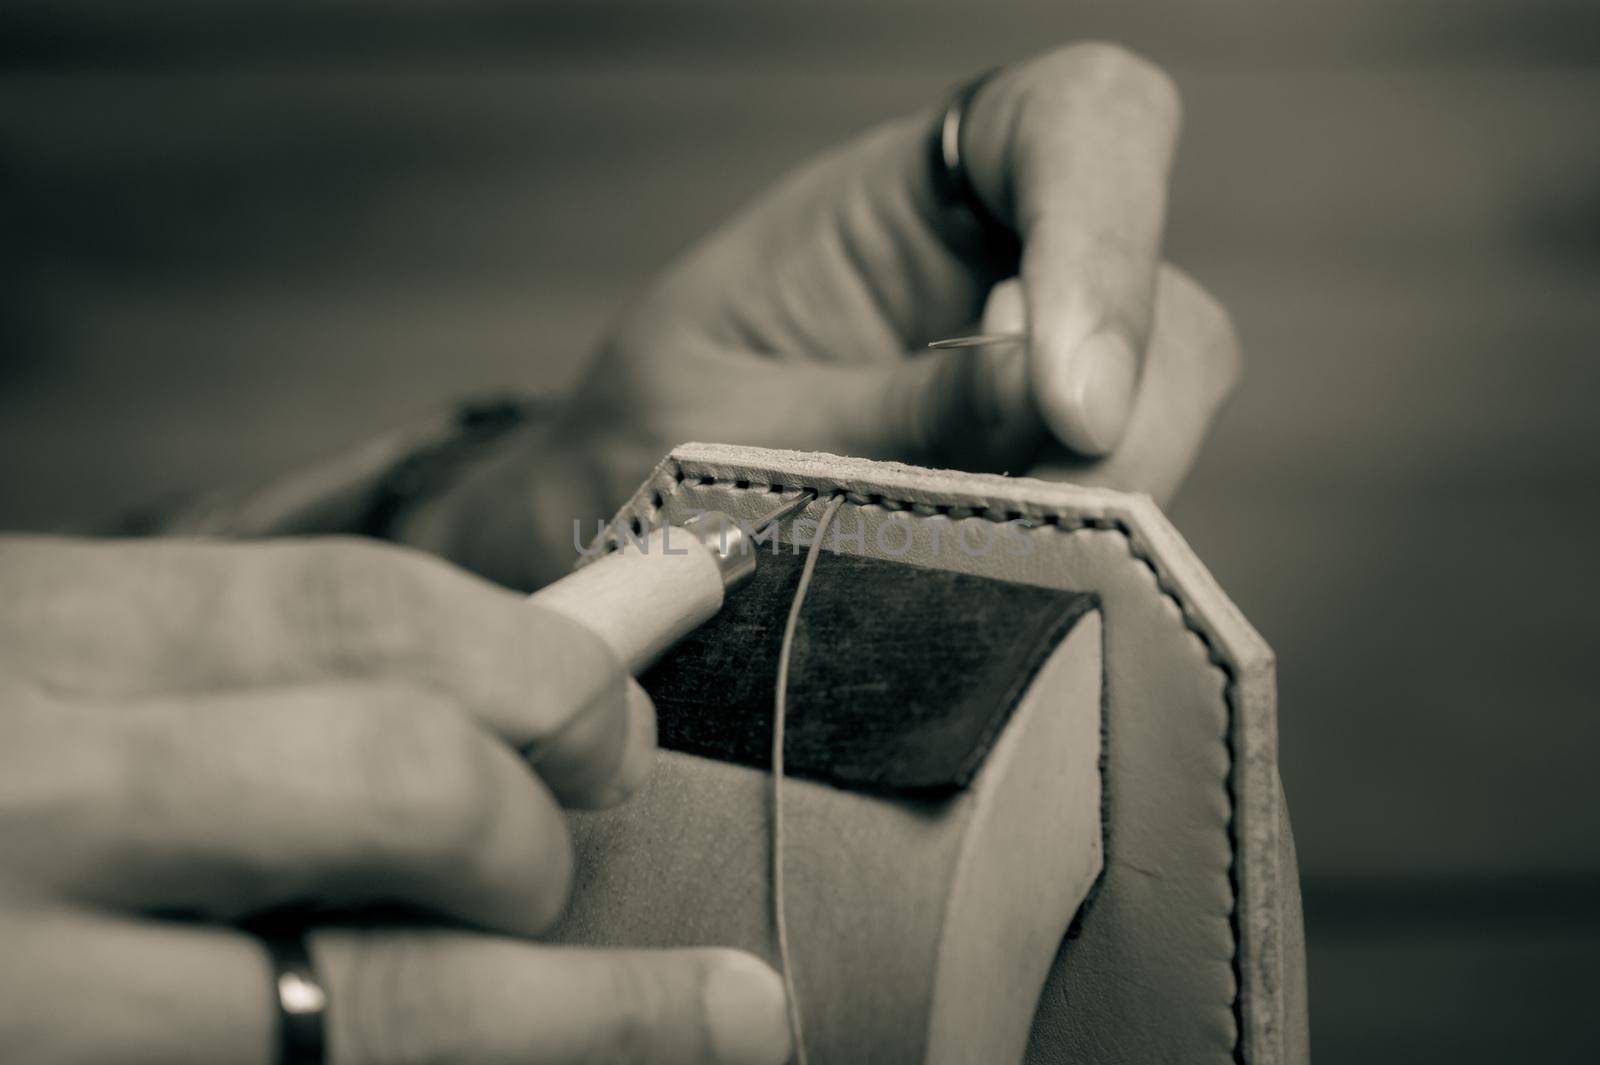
(899, 681)
(921, 932)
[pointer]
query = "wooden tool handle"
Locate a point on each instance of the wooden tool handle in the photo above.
(644, 597)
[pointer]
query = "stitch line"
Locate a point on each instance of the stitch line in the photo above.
(1066, 524)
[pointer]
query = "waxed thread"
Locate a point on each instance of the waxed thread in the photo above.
(780, 714)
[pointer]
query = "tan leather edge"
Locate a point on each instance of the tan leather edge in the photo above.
(1232, 644)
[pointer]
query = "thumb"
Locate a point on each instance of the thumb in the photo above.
(1083, 383)
(1075, 149)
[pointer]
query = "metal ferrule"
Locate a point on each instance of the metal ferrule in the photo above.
(728, 541)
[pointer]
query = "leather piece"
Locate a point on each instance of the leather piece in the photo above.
(921, 930)
(1293, 991)
(1186, 952)
(899, 682)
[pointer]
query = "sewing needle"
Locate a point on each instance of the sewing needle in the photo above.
(643, 599)
(789, 506)
(978, 340)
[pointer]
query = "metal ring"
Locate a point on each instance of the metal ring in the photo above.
(302, 1001)
(952, 185)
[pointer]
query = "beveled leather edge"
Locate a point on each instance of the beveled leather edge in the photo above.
(1231, 645)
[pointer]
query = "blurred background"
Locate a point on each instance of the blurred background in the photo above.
(235, 237)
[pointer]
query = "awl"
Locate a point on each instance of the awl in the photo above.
(651, 592)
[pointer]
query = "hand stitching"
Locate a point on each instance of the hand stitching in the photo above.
(1067, 524)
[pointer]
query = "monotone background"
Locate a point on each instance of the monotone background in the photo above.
(237, 236)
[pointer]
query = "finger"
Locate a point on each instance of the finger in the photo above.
(231, 804)
(94, 988)
(424, 997)
(1005, 313)
(82, 988)
(600, 782)
(971, 408)
(854, 259)
(968, 408)
(848, 260)
(1075, 149)
(129, 618)
(1193, 365)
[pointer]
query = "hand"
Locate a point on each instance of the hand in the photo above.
(193, 732)
(803, 323)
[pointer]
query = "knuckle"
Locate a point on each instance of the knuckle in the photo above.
(639, 1004)
(386, 990)
(1119, 76)
(353, 602)
(430, 781)
(150, 775)
(557, 870)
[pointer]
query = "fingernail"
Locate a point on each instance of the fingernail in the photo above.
(1100, 381)
(746, 1012)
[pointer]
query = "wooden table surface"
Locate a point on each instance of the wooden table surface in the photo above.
(235, 238)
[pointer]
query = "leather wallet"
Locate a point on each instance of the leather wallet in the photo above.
(1127, 685)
